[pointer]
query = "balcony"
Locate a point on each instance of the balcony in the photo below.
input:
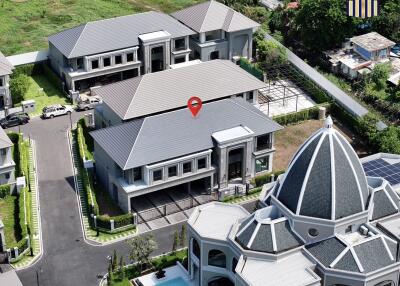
(264, 146)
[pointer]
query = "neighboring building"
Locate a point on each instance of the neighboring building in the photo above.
(222, 33)
(323, 223)
(110, 50)
(7, 164)
(2, 240)
(360, 55)
(6, 69)
(224, 146)
(170, 90)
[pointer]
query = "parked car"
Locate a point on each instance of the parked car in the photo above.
(89, 103)
(56, 110)
(14, 119)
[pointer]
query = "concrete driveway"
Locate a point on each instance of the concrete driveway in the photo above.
(67, 259)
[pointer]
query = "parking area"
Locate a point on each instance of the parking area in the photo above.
(170, 205)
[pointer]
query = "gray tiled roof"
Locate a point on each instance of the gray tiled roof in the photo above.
(366, 256)
(4, 139)
(209, 80)
(384, 204)
(212, 15)
(5, 66)
(114, 34)
(150, 140)
(325, 167)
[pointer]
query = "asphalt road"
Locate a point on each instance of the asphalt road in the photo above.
(67, 259)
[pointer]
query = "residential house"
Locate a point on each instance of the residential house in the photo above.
(7, 164)
(221, 32)
(324, 222)
(360, 55)
(110, 50)
(228, 143)
(171, 89)
(6, 69)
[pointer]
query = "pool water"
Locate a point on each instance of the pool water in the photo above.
(174, 282)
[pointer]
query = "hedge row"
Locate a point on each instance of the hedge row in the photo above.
(305, 114)
(104, 221)
(250, 68)
(4, 191)
(86, 139)
(261, 180)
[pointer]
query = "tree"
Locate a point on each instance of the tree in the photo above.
(140, 249)
(175, 244)
(114, 260)
(19, 85)
(379, 75)
(388, 21)
(324, 24)
(183, 235)
(271, 53)
(109, 276)
(389, 140)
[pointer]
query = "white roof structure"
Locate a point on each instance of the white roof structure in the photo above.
(231, 134)
(292, 270)
(28, 58)
(372, 41)
(159, 35)
(215, 220)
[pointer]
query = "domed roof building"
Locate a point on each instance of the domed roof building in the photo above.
(327, 173)
(323, 222)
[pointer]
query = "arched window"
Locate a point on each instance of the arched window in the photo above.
(234, 264)
(385, 283)
(216, 258)
(195, 248)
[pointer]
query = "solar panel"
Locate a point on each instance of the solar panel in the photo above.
(381, 168)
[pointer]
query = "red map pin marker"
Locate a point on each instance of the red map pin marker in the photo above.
(194, 105)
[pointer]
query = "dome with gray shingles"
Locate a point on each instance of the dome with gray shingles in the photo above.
(383, 200)
(325, 178)
(269, 234)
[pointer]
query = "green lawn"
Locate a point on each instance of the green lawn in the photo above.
(50, 94)
(7, 210)
(26, 24)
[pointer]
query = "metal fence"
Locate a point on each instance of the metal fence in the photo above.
(174, 207)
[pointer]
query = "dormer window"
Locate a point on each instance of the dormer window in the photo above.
(107, 62)
(95, 64)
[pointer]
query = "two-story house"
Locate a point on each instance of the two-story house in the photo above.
(227, 143)
(7, 164)
(169, 90)
(6, 69)
(221, 32)
(110, 50)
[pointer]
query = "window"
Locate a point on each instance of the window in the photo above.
(172, 171)
(3, 152)
(213, 35)
(216, 258)
(179, 60)
(348, 229)
(7, 175)
(187, 167)
(79, 63)
(157, 50)
(106, 62)
(137, 174)
(180, 44)
(313, 232)
(240, 95)
(95, 64)
(195, 248)
(214, 55)
(118, 60)
(201, 163)
(264, 142)
(234, 264)
(1, 81)
(262, 164)
(157, 175)
(250, 96)
(129, 57)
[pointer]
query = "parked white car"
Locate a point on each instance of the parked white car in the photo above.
(89, 103)
(56, 110)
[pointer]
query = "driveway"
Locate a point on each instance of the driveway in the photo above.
(67, 259)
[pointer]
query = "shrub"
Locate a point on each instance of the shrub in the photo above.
(29, 70)
(261, 180)
(123, 220)
(18, 87)
(295, 117)
(250, 68)
(4, 191)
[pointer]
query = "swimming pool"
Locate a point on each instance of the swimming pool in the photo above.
(174, 282)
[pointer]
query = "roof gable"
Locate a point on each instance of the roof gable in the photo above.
(213, 15)
(4, 139)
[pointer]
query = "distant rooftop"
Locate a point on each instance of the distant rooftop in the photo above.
(214, 220)
(114, 33)
(213, 15)
(372, 41)
(210, 80)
